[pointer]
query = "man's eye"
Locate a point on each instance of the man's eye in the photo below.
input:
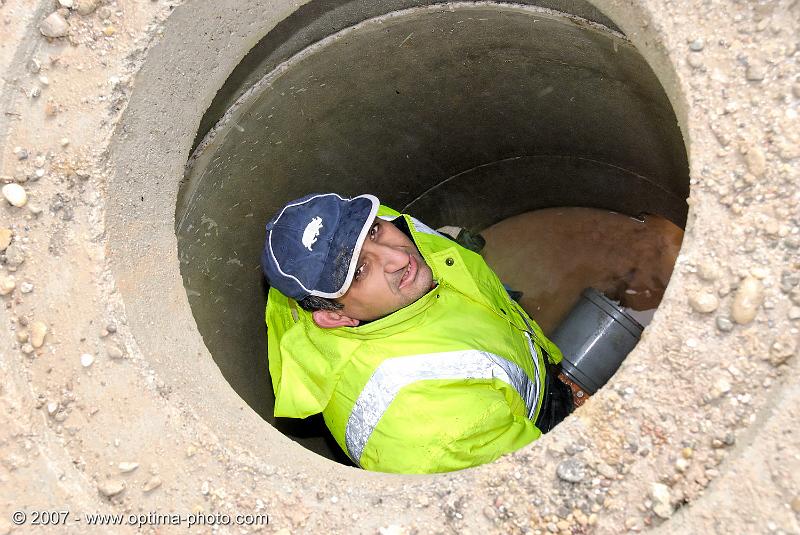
(373, 231)
(359, 272)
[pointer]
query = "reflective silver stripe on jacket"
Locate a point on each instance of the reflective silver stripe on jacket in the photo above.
(395, 373)
(535, 359)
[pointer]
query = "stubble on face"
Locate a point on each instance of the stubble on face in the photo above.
(390, 275)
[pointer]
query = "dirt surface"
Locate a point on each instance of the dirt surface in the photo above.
(696, 434)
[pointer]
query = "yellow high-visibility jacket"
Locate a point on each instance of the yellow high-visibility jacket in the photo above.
(454, 380)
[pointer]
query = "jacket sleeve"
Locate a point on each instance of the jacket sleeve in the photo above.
(302, 376)
(445, 425)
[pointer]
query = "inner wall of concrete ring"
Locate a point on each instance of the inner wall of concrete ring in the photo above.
(462, 116)
(485, 111)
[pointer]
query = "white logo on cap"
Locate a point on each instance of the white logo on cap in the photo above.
(311, 232)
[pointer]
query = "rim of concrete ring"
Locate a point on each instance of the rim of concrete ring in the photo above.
(148, 152)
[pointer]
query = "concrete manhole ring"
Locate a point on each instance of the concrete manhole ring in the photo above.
(694, 434)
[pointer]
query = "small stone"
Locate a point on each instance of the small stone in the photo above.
(26, 287)
(571, 470)
(703, 302)
(64, 141)
(51, 108)
(86, 7)
(782, 349)
(756, 161)
(204, 488)
(44, 80)
(796, 504)
(38, 333)
(794, 313)
(760, 273)
(87, 359)
(661, 500)
(722, 386)
(108, 31)
(52, 408)
(35, 92)
(113, 351)
(695, 61)
(724, 324)
(20, 153)
(54, 26)
(755, 71)
(22, 336)
(633, 524)
(66, 3)
(7, 284)
(580, 517)
(27, 349)
(606, 471)
(697, 45)
(5, 238)
(111, 487)
(34, 66)
(15, 195)
(747, 301)
(681, 465)
(663, 510)
(151, 484)
(789, 280)
(127, 467)
(708, 270)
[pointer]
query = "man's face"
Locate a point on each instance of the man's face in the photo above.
(390, 274)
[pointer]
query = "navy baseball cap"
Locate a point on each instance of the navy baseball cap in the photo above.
(313, 244)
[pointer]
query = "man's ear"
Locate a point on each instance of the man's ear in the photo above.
(328, 319)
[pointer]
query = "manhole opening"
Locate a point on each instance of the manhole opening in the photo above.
(496, 118)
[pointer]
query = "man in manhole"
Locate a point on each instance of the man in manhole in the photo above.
(405, 341)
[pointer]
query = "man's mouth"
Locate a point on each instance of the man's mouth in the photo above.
(410, 273)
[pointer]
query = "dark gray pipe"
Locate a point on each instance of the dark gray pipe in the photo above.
(595, 338)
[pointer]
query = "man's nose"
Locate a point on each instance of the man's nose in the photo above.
(394, 258)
